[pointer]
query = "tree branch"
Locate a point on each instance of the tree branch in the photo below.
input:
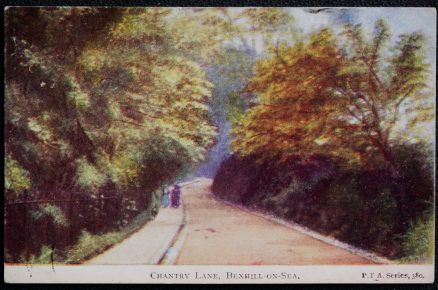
(277, 53)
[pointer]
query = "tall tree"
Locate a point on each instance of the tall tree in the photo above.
(292, 89)
(93, 93)
(319, 96)
(43, 130)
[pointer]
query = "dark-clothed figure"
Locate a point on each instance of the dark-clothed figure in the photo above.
(175, 198)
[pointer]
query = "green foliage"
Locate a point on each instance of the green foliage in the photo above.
(87, 176)
(365, 219)
(229, 75)
(236, 107)
(16, 178)
(419, 241)
(44, 257)
(91, 91)
(85, 86)
(355, 204)
(77, 97)
(125, 167)
(53, 212)
(164, 160)
(89, 245)
(125, 98)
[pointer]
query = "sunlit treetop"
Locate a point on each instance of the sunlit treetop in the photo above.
(343, 98)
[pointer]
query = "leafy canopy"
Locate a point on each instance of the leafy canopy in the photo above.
(341, 96)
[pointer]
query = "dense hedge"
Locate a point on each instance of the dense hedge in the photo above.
(355, 205)
(32, 228)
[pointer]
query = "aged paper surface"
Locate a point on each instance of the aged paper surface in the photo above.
(219, 145)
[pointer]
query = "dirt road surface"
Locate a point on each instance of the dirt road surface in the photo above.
(219, 234)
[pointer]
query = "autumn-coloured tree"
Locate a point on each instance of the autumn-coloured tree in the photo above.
(338, 98)
(342, 99)
(294, 88)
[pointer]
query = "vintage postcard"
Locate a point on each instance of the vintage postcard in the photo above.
(219, 145)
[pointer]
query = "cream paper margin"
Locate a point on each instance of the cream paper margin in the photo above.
(219, 274)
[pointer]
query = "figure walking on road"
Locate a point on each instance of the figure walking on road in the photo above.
(175, 198)
(165, 198)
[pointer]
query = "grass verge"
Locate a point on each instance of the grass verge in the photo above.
(90, 245)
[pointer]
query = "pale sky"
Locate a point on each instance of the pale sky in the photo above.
(401, 20)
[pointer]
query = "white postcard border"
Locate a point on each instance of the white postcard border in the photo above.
(377, 274)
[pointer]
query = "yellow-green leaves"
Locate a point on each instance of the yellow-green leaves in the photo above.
(40, 129)
(16, 178)
(88, 176)
(52, 211)
(77, 97)
(294, 88)
(149, 88)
